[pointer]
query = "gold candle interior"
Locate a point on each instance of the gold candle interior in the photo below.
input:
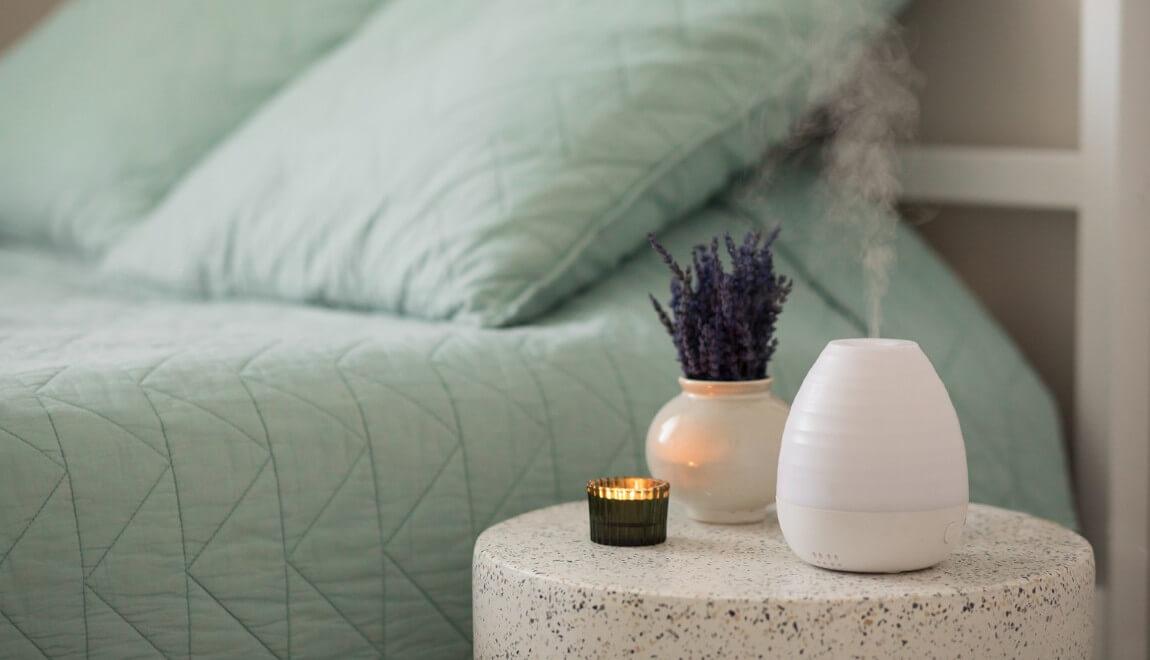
(629, 488)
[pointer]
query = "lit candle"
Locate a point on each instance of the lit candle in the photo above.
(628, 510)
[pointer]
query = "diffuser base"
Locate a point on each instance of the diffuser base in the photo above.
(871, 542)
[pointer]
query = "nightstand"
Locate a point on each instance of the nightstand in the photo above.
(1018, 586)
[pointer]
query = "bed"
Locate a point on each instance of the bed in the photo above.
(251, 479)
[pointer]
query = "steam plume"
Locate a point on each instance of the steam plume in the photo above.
(864, 111)
(870, 116)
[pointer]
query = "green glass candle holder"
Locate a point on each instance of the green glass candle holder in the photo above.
(628, 511)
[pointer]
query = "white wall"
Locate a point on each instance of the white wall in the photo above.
(1005, 73)
(1000, 72)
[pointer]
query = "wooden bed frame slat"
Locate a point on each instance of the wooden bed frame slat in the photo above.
(1007, 177)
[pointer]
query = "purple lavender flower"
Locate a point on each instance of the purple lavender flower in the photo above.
(723, 323)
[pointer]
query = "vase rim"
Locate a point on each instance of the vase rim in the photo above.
(725, 387)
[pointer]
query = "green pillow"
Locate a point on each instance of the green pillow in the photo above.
(479, 161)
(110, 102)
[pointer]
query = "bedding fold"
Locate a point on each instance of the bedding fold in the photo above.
(481, 161)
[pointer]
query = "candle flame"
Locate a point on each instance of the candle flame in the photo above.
(628, 488)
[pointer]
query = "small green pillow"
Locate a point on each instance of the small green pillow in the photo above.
(479, 161)
(110, 102)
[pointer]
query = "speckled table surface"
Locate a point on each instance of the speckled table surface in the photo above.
(1019, 586)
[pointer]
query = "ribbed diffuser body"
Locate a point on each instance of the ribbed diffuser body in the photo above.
(872, 472)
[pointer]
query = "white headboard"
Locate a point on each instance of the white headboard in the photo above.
(1107, 181)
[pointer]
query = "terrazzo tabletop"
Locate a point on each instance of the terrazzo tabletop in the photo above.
(1018, 587)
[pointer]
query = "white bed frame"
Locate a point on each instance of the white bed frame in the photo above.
(1107, 182)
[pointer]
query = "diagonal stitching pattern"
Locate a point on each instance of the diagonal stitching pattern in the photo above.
(109, 420)
(31, 520)
(25, 635)
(231, 511)
(143, 501)
(375, 492)
(521, 352)
(34, 448)
(232, 614)
(179, 518)
(430, 601)
(330, 498)
(76, 518)
(283, 525)
(335, 608)
(127, 621)
(209, 413)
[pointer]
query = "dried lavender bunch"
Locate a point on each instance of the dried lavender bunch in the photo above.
(723, 323)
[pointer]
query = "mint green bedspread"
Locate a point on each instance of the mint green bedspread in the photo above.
(250, 480)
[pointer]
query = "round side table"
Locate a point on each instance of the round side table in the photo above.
(1017, 587)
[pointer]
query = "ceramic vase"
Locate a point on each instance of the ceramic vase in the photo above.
(872, 475)
(717, 443)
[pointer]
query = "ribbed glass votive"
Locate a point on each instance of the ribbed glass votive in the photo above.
(628, 510)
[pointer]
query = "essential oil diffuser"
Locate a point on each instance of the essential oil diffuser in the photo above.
(872, 471)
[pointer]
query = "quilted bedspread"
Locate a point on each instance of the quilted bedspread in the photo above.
(251, 480)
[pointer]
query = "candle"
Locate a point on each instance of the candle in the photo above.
(628, 511)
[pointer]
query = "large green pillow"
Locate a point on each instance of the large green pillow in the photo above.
(478, 161)
(110, 102)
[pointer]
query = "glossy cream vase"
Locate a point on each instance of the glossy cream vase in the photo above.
(717, 444)
(872, 473)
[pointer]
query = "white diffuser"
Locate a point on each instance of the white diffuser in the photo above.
(872, 471)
